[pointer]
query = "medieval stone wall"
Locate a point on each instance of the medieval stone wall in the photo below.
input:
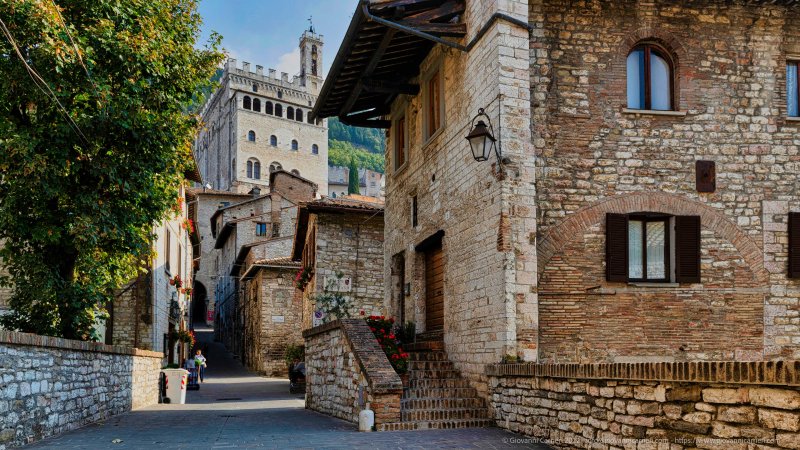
(595, 157)
(53, 385)
(668, 405)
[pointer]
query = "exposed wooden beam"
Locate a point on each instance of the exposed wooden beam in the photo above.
(370, 67)
(442, 13)
(389, 87)
(381, 6)
(439, 29)
(375, 123)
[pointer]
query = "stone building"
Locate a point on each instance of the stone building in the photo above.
(264, 224)
(256, 123)
(340, 243)
(370, 182)
(645, 196)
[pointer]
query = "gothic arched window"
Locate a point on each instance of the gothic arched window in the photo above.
(298, 115)
(246, 102)
(278, 110)
(268, 108)
(256, 105)
(290, 113)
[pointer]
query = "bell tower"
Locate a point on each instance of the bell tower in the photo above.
(311, 59)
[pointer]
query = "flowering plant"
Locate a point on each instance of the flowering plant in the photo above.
(188, 225)
(177, 208)
(382, 328)
(187, 337)
(302, 278)
(176, 281)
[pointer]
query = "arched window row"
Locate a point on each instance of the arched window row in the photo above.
(276, 109)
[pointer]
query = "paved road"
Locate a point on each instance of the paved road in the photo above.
(236, 409)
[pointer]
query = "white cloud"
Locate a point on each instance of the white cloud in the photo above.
(289, 63)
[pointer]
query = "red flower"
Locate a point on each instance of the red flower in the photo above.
(372, 329)
(361, 312)
(391, 335)
(391, 320)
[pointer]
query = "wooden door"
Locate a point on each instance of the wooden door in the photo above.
(434, 289)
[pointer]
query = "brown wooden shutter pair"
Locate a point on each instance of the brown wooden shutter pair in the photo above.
(687, 248)
(794, 245)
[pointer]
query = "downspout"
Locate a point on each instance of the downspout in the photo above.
(464, 48)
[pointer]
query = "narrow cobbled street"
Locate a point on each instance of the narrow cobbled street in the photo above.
(237, 409)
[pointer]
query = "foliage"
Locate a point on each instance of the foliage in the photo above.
(382, 328)
(332, 302)
(92, 154)
(294, 352)
(511, 359)
(303, 277)
(184, 336)
(340, 154)
(372, 140)
(176, 281)
(352, 180)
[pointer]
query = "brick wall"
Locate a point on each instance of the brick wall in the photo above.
(347, 371)
(53, 385)
(708, 405)
(594, 158)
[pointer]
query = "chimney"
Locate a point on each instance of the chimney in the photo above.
(284, 77)
(260, 70)
(246, 66)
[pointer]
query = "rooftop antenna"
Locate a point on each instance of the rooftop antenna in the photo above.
(311, 24)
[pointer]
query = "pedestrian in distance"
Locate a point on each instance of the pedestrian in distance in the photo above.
(200, 363)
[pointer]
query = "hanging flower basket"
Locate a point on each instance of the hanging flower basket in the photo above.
(176, 281)
(303, 277)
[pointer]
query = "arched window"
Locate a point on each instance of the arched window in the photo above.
(296, 172)
(249, 169)
(255, 88)
(294, 145)
(275, 166)
(315, 149)
(310, 120)
(246, 102)
(298, 115)
(333, 195)
(268, 108)
(278, 110)
(257, 170)
(273, 140)
(256, 105)
(290, 113)
(251, 136)
(280, 94)
(650, 75)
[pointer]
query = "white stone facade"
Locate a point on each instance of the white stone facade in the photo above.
(241, 142)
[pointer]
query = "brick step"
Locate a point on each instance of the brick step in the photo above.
(427, 356)
(430, 365)
(416, 404)
(436, 425)
(440, 393)
(443, 374)
(416, 415)
(437, 383)
(425, 346)
(437, 335)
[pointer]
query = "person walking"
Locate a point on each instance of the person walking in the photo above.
(200, 363)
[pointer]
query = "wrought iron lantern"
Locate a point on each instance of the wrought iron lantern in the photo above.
(481, 138)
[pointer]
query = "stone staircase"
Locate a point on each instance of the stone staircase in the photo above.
(437, 395)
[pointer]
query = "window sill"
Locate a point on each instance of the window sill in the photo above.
(654, 285)
(653, 112)
(433, 137)
(400, 169)
(792, 119)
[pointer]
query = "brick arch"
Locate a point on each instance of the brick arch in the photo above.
(574, 224)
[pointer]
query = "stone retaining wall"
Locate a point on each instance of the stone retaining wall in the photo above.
(51, 385)
(347, 371)
(709, 405)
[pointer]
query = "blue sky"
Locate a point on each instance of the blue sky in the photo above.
(266, 32)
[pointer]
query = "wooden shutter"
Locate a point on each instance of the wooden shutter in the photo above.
(617, 247)
(687, 249)
(794, 245)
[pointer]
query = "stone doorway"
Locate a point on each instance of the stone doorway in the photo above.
(434, 288)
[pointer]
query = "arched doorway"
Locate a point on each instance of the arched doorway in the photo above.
(199, 304)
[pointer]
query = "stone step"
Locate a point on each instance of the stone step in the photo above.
(430, 365)
(415, 415)
(427, 356)
(436, 424)
(418, 404)
(438, 374)
(437, 383)
(425, 346)
(440, 393)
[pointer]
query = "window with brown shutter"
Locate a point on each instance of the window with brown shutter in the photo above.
(687, 249)
(617, 247)
(794, 245)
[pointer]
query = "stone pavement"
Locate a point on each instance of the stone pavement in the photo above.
(236, 409)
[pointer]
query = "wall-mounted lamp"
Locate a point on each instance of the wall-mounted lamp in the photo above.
(482, 141)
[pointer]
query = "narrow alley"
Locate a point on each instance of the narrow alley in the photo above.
(237, 409)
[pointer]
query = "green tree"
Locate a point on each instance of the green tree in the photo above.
(352, 181)
(340, 153)
(94, 138)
